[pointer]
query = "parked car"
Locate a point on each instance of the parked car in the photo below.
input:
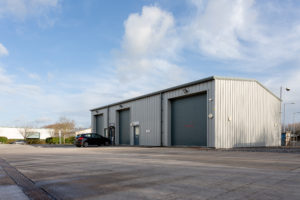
(84, 140)
(18, 142)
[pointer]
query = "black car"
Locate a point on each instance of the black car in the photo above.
(84, 140)
(18, 142)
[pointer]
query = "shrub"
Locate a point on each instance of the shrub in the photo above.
(33, 141)
(70, 140)
(3, 140)
(42, 141)
(53, 140)
(48, 140)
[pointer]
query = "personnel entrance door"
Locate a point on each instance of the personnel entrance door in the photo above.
(136, 133)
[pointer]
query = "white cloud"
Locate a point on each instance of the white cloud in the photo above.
(21, 9)
(34, 76)
(151, 32)
(151, 52)
(290, 79)
(4, 78)
(42, 120)
(280, 48)
(50, 76)
(149, 49)
(218, 27)
(238, 30)
(144, 63)
(31, 75)
(9, 86)
(3, 50)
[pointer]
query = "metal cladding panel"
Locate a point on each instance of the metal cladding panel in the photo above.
(93, 122)
(124, 126)
(144, 112)
(246, 115)
(99, 125)
(189, 121)
(207, 87)
(94, 114)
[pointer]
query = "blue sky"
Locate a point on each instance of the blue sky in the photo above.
(64, 57)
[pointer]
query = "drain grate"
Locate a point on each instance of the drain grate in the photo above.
(28, 186)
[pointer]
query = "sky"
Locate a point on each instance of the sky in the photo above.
(61, 58)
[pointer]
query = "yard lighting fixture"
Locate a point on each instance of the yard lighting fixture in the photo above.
(185, 90)
(281, 91)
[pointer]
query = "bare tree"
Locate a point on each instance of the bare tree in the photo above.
(294, 127)
(52, 132)
(25, 132)
(65, 125)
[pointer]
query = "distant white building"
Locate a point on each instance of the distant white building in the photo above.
(16, 133)
(89, 130)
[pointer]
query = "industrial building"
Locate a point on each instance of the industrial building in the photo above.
(18, 133)
(212, 112)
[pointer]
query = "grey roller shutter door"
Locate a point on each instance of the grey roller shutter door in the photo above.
(99, 124)
(124, 127)
(189, 121)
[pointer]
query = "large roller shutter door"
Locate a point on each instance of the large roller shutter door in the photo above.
(99, 124)
(189, 121)
(124, 127)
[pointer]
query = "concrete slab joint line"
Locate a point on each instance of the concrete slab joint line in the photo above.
(27, 185)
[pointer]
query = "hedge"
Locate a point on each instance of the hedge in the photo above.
(55, 140)
(70, 140)
(3, 140)
(34, 141)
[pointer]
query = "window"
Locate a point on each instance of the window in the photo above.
(106, 132)
(137, 130)
(33, 135)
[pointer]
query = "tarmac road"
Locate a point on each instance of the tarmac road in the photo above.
(146, 173)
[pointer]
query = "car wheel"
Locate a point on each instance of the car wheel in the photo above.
(106, 143)
(85, 144)
(78, 146)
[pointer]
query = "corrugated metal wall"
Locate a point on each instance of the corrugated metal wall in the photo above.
(93, 118)
(246, 114)
(243, 114)
(145, 112)
(198, 88)
(100, 124)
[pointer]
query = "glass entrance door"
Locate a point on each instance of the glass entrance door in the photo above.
(136, 135)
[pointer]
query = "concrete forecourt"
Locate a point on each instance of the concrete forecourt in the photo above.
(67, 172)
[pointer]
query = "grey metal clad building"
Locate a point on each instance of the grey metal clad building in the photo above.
(212, 112)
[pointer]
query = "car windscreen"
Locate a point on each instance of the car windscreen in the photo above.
(87, 135)
(84, 135)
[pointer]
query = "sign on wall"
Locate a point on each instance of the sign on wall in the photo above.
(33, 135)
